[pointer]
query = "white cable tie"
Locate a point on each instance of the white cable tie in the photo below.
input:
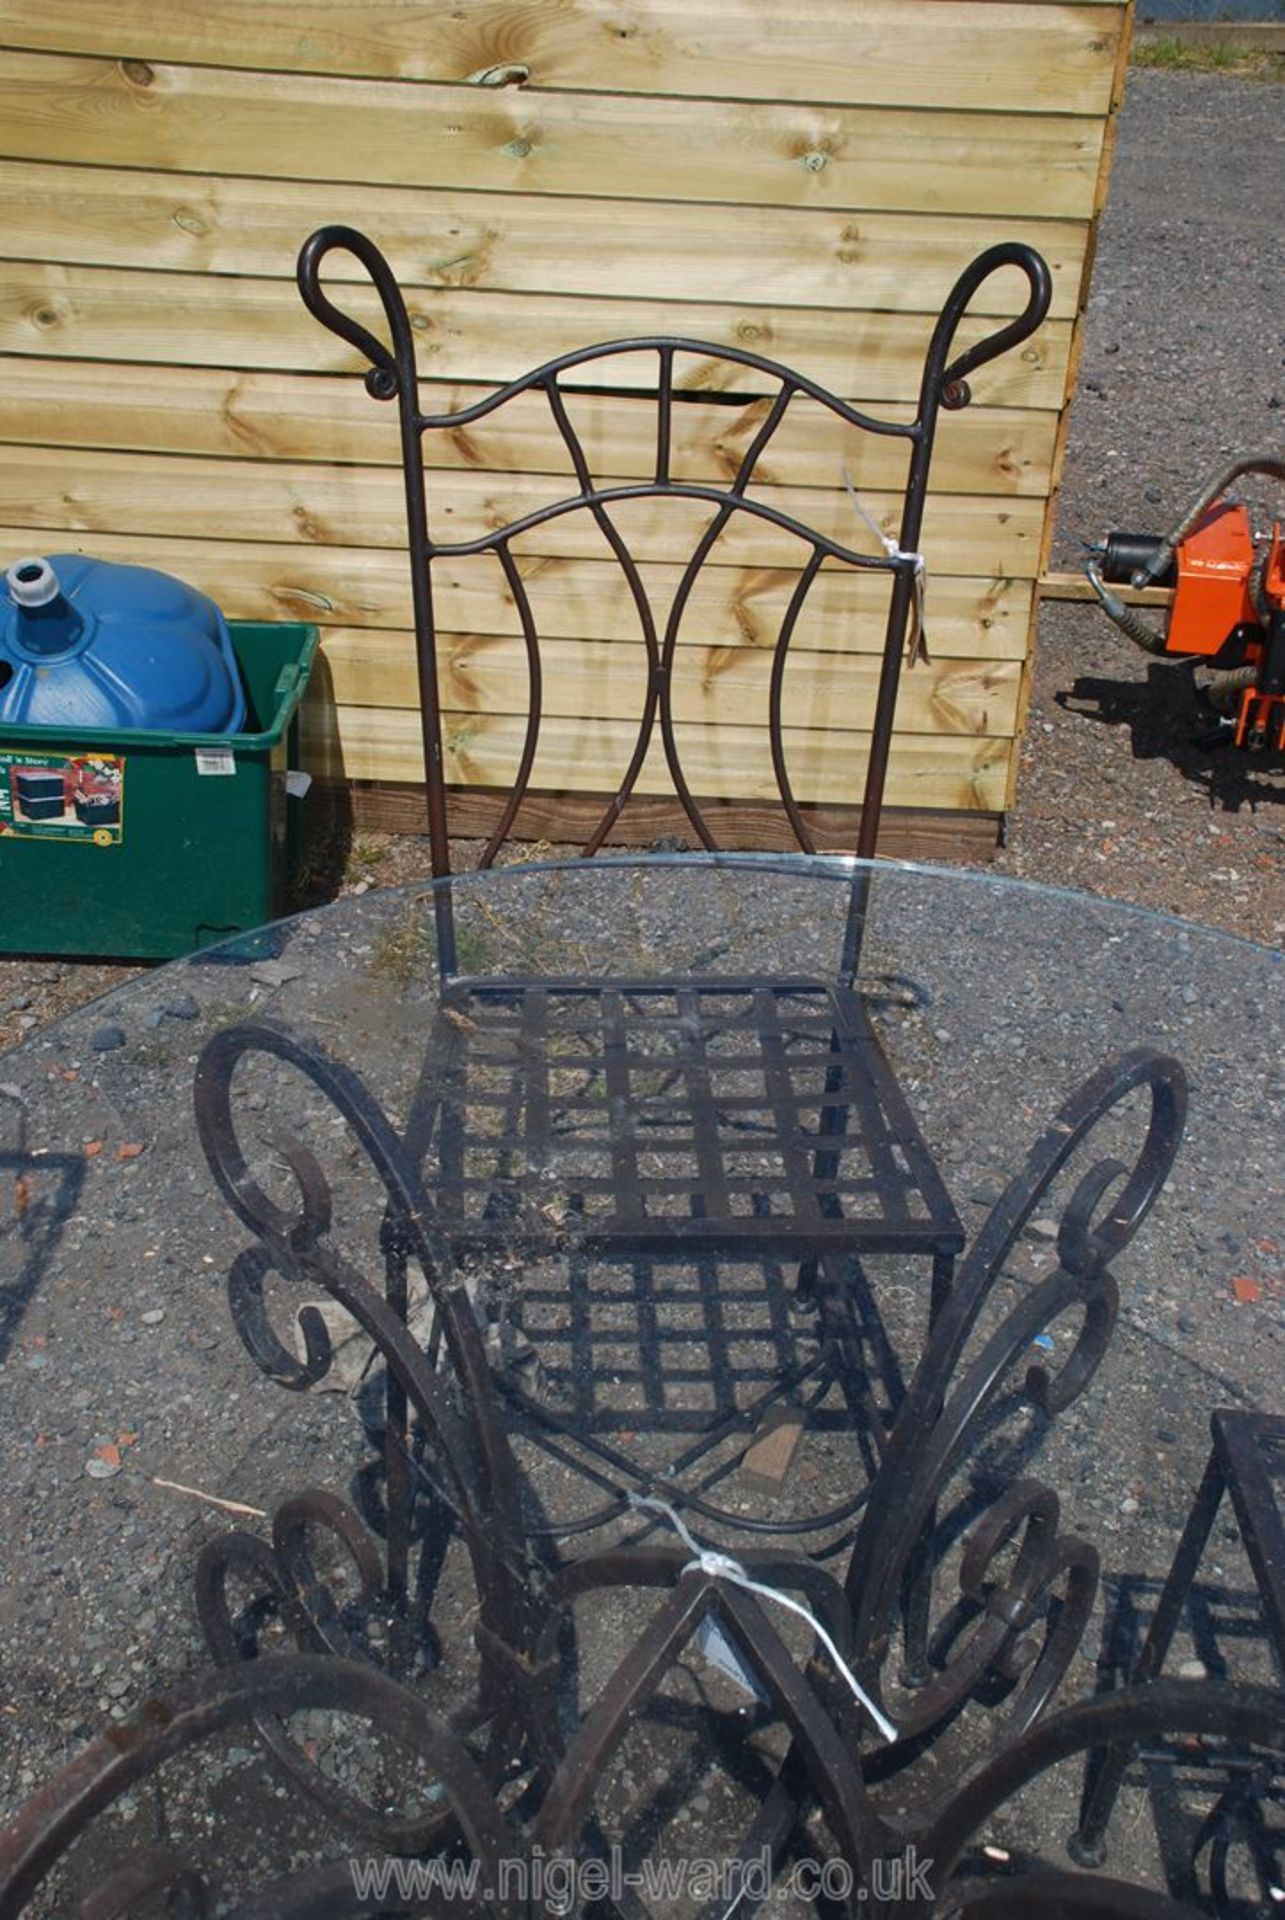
(721, 1566)
(917, 648)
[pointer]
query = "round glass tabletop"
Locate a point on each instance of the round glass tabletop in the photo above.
(705, 1144)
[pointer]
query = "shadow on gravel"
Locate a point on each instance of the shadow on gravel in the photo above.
(1167, 721)
(1218, 1835)
(39, 1192)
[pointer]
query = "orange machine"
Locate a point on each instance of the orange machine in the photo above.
(1228, 603)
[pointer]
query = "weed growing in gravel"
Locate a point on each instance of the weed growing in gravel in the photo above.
(403, 949)
(1216, 56)
(364, 855)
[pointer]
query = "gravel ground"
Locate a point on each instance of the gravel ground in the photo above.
(1182, 365)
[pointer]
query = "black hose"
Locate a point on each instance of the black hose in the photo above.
(1162, 559)
(1128, 619)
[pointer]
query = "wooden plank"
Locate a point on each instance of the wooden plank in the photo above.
(584, 600)
(1110, 131)
(1028, 58)
(1074, 586)
(323, 506)
(139, 113)
(712, 683)
(192, 223)
(124, 316)
(905, 833)
(203, 411)
(584, 754)
(766, 1462)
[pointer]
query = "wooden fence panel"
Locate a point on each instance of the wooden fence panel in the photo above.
(248, 324)
(1033, 58)
(804, 181)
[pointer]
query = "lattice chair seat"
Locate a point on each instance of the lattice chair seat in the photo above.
(719, 1095)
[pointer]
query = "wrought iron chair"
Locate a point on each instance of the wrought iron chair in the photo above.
(1247, 1463)
(777, 1130)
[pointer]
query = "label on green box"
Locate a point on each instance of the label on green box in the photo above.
(63, 796)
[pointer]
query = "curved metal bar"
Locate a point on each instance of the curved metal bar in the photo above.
(396, 374)
(1237, 1816)
(259, 1337)
(1039, 284)
(734, 496)
(861, 1834)
(662, 343)
(251, 1559)
(1089, 1248)
(934, 391)
(1080, 1565)
(294, 1239)
(690, 1500)
(389, 373)
(470, 1445)
(672, 490)
(919, 1479)
(135, 1748)
(664, 413)
(1255, 1715)
(642, 607)
(316, 1507)
(833, 1516)
(754, 452)
(348, 1094)
(530, 741)
(678, 606)
(663, 1566)
(776, 688)
(838, 1784)
(1080, 1249)
(602, 1729)
(926, 1444)
(997, 1643)
(819, 1377)
(470, 1441)
(471, 1451)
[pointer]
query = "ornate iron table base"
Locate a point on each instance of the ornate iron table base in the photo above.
(451, 1626)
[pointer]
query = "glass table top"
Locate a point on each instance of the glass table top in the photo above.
(137, 1426)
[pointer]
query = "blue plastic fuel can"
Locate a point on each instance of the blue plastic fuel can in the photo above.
(85, 643)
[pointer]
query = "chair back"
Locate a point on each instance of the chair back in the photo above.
(675, 371)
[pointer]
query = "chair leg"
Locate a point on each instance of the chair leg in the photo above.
(398, 1487)
(918, 1590)
(1087, 1845)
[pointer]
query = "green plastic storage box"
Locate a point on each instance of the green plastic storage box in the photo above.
(162, 842)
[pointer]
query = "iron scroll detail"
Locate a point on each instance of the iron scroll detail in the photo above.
(522, 1721)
